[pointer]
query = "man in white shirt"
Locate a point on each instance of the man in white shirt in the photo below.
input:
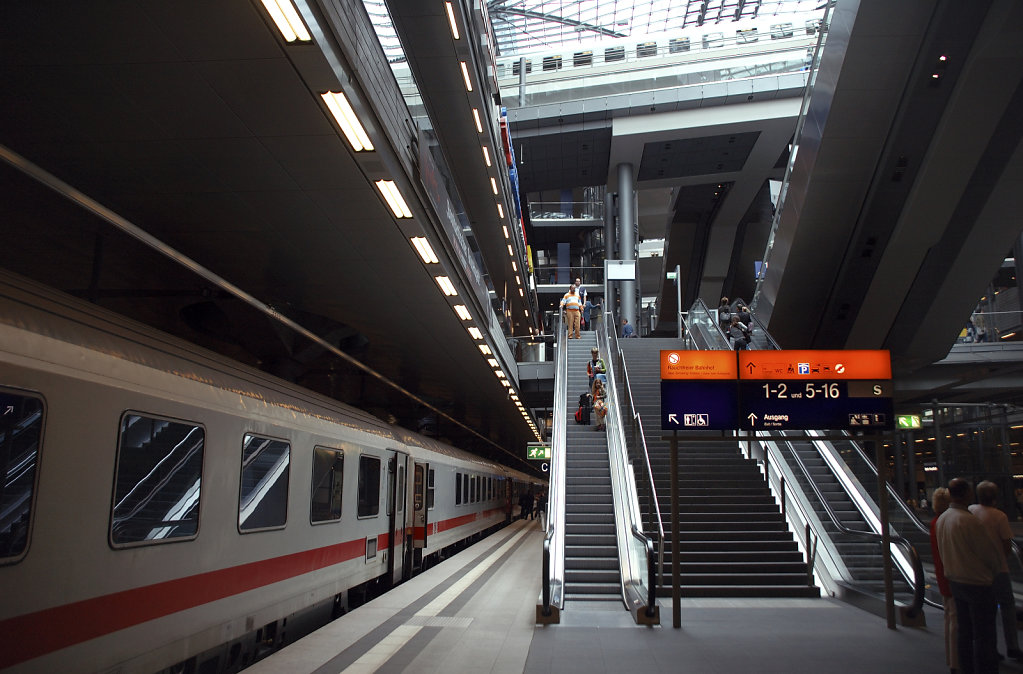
(971, 561)
(997, 525)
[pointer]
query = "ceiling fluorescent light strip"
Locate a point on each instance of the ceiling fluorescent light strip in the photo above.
(425, 250)
(486, 155)
(451, 20)
(500, 211)
(287, 19)
(445, 286)
(462, 312)
(474, 332)
(465, 75)
(393, 198)
(476, 116)
(350, 125)
(493, 185)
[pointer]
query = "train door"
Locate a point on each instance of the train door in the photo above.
(420, 513)
(399, 543)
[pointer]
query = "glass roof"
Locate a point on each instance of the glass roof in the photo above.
(530, 25)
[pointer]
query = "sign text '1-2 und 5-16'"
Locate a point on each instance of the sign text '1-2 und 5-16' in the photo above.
(777, 390)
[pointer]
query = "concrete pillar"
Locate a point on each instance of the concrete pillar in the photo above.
(610, 252)
(626, 238)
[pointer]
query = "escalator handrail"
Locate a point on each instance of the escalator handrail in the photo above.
(700, 307)
(614, 351)
(918, 581)
(556, 492)
(759, 323)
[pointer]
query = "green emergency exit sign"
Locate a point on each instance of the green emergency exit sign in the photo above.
(907, 421)
(538, 451)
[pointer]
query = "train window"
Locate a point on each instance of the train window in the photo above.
(21, 429)
(369, 486)
(429, 491)
(472, 489)
(465, 488)
(677, 45)
(582, 58)
(551, 63)
(646, 49)
(328, 471)
(614, 54)
(263, 498)
(516, 67)
(458, 489)
(157, 481)
(401, 488)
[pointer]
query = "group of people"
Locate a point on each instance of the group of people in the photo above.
(737, 325)
(580, 311)
(596, 370)
(530, 506)
(970, 544)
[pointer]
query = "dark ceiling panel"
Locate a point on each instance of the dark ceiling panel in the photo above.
(725, 153)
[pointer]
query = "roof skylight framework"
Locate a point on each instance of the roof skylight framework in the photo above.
(532, 25)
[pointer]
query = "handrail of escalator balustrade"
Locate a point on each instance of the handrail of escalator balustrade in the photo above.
(637, 421)
(617, 358)
(552, 584)
(762, 328)
(918, 581)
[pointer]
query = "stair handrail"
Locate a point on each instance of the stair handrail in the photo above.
(918, 582)
(553, 581)
(618, 451)
(760, 325)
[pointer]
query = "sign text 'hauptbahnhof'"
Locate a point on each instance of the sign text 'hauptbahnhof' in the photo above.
(776, 390)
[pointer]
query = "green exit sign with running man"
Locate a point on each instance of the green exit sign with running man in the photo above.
(538, 451)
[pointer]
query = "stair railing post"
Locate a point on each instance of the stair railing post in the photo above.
(676, 552)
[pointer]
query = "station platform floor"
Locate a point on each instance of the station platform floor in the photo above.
(475, 612)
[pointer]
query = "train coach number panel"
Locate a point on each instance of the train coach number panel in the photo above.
(699, 391)
(811, 390)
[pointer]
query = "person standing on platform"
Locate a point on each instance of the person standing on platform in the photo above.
(997, 525)
(570, 303)
(627, 330)
(940, 501)
(971, 561)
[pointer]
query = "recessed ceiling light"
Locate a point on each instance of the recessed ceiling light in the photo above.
(451, 20)
(393, 198)
(465, 75)
(345, 117)
(445, 286)
(287, 19)
(425, 250)
(462, 312)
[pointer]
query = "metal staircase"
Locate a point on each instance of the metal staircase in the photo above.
(734, 540)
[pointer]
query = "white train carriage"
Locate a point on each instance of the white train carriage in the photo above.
(165, 509)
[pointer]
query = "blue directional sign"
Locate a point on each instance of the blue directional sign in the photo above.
(699, 405)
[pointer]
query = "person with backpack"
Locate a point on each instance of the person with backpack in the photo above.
(599, 405)
(739, 333)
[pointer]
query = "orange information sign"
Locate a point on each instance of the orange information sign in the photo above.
(813, 364)
(698, 365)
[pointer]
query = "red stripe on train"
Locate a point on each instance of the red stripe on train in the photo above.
(34, 634)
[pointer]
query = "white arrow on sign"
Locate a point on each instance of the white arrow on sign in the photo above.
(752, 419)
(672, 419)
